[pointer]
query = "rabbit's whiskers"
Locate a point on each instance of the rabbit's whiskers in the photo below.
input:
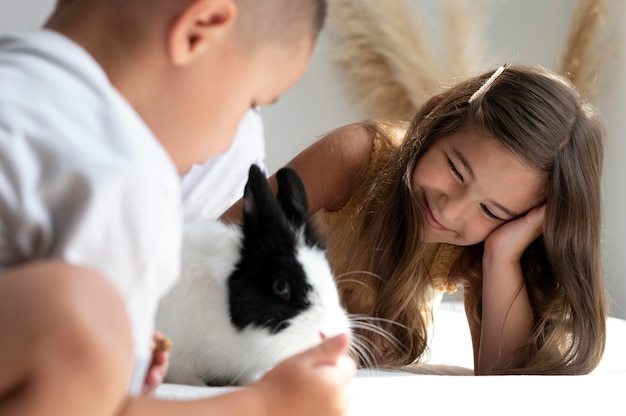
(364, 350)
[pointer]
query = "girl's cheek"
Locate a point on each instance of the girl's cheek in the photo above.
(479, 231)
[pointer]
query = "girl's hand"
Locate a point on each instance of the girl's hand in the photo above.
(159, 365)
(511, 239)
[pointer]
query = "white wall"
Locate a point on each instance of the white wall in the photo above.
(23, 14)
(530, 31)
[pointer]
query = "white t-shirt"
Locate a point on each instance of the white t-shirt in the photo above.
(83, 179)
(212, 187)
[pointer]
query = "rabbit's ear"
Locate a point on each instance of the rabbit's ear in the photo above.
(292, 196)
(258, 199)
(260, 208)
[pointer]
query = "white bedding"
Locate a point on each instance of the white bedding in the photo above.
(390, 393)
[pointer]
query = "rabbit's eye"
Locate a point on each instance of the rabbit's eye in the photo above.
(282, 289)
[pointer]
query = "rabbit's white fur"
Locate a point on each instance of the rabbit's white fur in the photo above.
(195, 314)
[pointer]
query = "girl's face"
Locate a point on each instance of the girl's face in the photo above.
(471, 185)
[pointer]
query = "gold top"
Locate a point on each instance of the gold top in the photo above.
(440, 256)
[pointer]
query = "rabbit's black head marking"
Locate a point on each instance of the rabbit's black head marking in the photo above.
(275, 228)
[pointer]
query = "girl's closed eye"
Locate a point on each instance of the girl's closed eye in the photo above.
(490, 214)
(455, 171)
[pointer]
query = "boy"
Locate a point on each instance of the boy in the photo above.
(99, 114)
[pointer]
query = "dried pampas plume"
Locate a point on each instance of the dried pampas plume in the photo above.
(388, 61)
(464, 36)
(583, 56)
(385, 53)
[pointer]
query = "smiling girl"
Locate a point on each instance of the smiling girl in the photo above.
(495, 186)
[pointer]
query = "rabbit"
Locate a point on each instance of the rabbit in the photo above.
(253, 295)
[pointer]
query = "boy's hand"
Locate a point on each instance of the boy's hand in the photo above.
(311, 383)
(160, 363)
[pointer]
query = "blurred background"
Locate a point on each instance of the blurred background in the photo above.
(531, 31)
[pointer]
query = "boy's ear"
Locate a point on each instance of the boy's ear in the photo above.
(199, 26)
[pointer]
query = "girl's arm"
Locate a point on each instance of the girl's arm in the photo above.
(507, 316)
(329, 169)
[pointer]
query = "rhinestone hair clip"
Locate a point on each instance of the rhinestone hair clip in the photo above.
(483, 89)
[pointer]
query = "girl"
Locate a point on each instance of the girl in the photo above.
(495, 186)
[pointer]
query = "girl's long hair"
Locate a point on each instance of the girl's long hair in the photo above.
(542, 119)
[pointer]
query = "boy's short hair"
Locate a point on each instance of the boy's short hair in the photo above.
(285, 22)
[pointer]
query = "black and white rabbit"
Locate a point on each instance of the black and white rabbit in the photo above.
(250, 296)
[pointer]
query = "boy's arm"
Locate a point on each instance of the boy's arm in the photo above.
(507, 316)
(311, 383)
(329, 169)
(242, 402)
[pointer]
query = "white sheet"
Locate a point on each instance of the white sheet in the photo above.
(390, 393)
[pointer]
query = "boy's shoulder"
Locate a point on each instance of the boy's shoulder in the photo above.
(57, 103)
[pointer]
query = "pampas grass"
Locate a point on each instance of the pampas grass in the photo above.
(387, 58)
(464, 35)
(582, 57)
(384, 53)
